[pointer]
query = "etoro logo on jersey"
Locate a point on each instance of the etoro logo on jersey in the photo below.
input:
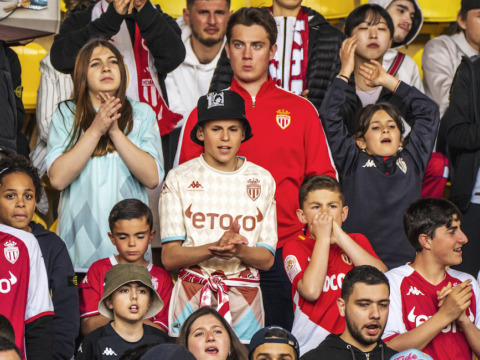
(224, 221)
(11, 251)
(420, 319)
(6, 284)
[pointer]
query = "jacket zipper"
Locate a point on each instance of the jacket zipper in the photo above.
(367, 356)
(284, 44)
(253, 101)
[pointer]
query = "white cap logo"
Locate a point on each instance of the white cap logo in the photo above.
(215, 99)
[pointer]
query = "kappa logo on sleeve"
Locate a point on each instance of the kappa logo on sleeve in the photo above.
(292, 267)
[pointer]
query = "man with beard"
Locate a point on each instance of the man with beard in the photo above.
(203, 27)
(364, 304)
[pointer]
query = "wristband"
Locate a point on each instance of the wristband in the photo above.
(343, 76)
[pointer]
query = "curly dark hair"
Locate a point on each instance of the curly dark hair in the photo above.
(13, 163)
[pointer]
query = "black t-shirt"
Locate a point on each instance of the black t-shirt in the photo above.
(105, 343)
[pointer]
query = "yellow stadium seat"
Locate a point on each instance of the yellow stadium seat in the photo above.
(237, 4)
(439, 11)
(53, 228)
(330, 9)
(39, 220)
(30, 56)
(174, 8)
(418, 60)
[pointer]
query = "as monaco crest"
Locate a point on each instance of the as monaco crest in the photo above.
(254, 189)
(11, 251)
(283, 118)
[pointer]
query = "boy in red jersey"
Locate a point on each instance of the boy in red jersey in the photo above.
(317, 264)
(131, 232)
(433, 307)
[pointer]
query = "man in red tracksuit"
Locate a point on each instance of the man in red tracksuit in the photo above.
(288, 140)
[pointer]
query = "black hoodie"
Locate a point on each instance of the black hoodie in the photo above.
(63, 289)
(333, 347)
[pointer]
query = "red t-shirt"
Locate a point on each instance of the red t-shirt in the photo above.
(92, 287)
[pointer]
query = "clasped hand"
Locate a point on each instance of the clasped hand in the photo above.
(107, 116)
(229, 244)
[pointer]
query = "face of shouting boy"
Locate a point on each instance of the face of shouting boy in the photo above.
(130, 302)
(131, 238)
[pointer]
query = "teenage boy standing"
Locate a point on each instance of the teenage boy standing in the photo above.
(306, 59)
(289, 141)
(218, 221)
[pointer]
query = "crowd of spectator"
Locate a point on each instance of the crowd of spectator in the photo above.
(295, 174)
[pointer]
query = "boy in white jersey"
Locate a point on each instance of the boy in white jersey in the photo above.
(432, 307)
(218, 221)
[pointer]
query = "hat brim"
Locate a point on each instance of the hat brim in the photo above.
(194, 138)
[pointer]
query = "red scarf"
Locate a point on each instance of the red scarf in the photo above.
(299, 54)
(147, 90)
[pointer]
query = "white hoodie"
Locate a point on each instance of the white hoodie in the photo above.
(190, 80)
(440, 60)
(408, 71)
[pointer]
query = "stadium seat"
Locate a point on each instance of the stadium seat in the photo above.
(439, 11)
(30, 56)
(237, 4)
(330, 9)
(53, 228)
(174, 8)
(39, 220)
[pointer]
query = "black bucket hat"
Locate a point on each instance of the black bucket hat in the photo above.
(221, 105)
